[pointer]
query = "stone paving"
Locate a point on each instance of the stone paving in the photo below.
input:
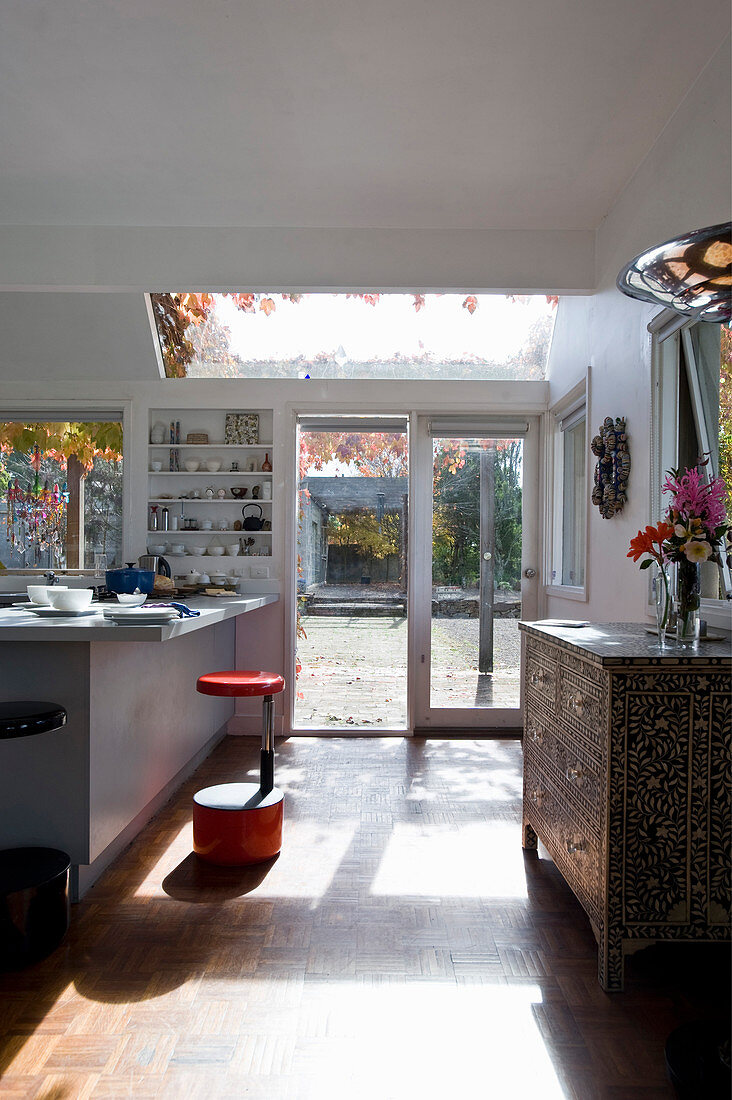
(354, 670)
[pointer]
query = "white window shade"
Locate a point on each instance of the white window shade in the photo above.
(478, 427)
(352, 423)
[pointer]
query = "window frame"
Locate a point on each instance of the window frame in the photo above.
(573, 406)
(669, 334)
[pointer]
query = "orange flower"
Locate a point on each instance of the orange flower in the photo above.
(650, 542)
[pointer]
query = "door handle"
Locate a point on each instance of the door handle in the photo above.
(529, 574)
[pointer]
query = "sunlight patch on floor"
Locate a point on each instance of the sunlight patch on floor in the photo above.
(480, 860)
(430, 1039)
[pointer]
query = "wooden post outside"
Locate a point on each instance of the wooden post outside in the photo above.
(75, 474)
(487, 554)
(403, 542)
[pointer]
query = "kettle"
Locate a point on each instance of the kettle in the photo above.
(252, 523)
(156, 563)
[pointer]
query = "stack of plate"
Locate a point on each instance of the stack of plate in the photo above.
(141, 616)
(55, 613)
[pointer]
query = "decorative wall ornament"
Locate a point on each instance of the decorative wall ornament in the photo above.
(242, 428)
(612, 470)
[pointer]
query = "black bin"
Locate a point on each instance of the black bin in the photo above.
(34, 904)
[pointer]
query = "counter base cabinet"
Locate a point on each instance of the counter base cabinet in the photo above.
(627, 784)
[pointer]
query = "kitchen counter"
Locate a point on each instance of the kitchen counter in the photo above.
(19, 625)
(136, 725)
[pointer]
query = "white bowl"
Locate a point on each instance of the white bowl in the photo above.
(177, 548)
(232, 549)
(216, 551)
(158, 549)
(38, 593)
(132, 599)
(218, 578)
(70, 599)
(191, 465)
(156, 467)
(213, 465)
(195, 549)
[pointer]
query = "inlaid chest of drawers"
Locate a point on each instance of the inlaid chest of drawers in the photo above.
(627, 781)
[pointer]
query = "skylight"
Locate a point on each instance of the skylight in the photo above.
(398, 336)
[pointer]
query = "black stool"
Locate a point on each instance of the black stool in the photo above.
(34, 882)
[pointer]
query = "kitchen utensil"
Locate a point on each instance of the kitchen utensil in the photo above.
(157, 548)
(70, 599)
(136, 599)
(239, 491)
(252, 523)
(196, 548)
(191, 465)
(38, 593)
(232, 549)
(207, 525)
(158, 564)
(213, 465)
(193, 577)
(153, 521)
(216, 551)
(127, 580)
(204, 579)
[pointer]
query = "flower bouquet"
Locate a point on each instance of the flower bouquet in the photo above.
(692, 532)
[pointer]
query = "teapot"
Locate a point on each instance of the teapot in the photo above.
(252, 523)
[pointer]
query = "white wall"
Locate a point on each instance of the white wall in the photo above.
(684, 183)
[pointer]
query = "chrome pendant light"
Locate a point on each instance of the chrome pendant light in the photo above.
(691, 274)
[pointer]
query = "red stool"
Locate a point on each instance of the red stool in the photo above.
(237, 824)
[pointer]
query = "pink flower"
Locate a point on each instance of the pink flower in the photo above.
(693, 498)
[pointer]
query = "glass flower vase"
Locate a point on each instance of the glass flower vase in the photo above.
(687, 601)
(662, 595)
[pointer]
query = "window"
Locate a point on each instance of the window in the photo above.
(573, 504)
(80, 465)
(693, 416)
(339, 335)
(567, 493)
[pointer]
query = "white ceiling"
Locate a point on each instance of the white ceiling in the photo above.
(419, 114)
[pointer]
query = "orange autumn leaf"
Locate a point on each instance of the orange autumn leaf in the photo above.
(267, 306)
(470, 303)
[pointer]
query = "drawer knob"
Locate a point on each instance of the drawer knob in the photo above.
(575, 844)
(537, 795)
(575, 775)
(537, 735)
(538, 678)
(577, 704)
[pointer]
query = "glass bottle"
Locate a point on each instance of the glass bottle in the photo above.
(154, 517)
(266, 465)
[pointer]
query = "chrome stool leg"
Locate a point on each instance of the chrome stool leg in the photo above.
(266, 756)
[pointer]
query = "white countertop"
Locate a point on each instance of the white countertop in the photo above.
(19, 625)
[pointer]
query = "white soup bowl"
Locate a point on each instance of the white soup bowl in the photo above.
(70, 599)
(38, 593)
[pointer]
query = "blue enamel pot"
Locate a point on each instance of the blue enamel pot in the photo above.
(128, 580)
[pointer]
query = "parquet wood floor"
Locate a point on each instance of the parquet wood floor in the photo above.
(402, 946)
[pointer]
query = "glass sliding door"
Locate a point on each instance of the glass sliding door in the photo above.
(479, 570)
(351, 620)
